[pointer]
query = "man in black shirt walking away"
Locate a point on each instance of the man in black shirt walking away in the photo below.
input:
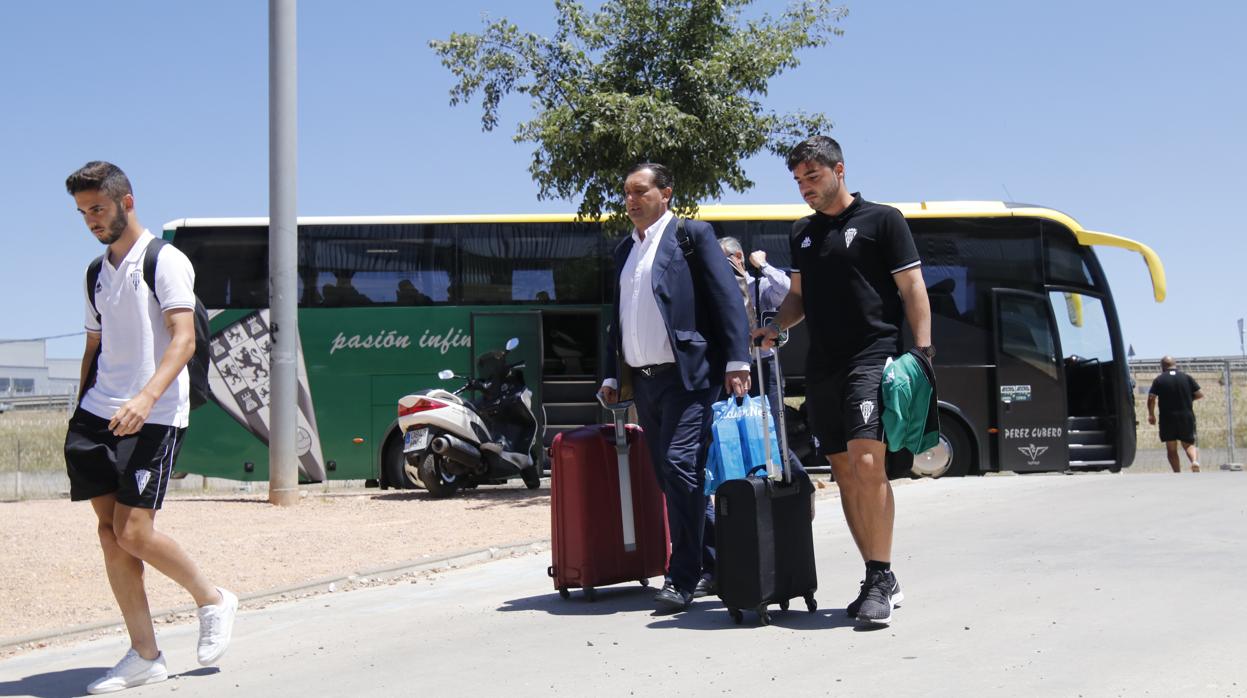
(855, 271)
(1177, 393)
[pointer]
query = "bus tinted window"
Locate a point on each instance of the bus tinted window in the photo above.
(1065, 258)
(962, 261)
(1026, 333)
(504, 263)
(352, 266)
(231, 265)
(769, 236)
(772, 238)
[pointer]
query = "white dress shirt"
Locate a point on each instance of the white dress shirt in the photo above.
(642, 327)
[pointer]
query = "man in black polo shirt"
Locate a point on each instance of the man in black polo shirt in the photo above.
(856, 271)
(1177, 393)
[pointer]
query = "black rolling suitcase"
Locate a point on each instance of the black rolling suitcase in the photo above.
(764, 535)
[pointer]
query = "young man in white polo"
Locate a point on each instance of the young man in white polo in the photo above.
(126, 433)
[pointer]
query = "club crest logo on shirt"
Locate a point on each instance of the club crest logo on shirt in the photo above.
(806, 242)
(136, 278)
(141, 478)
(867, 408)
(849, 235)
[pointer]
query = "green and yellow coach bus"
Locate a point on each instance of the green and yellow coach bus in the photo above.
(1031, 369)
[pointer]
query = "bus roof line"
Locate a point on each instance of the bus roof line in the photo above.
(1155, 269)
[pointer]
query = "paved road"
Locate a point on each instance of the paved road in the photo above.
(1088, 585)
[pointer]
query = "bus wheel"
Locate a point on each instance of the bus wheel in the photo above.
(397, 473)
(950, 457)
(435, 479)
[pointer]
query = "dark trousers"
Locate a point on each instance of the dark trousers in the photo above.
(677, 428)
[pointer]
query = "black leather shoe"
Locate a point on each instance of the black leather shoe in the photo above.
(666, 584)
(671, 600)
(705, 587)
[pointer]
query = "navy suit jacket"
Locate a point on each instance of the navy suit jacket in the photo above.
(700, 304)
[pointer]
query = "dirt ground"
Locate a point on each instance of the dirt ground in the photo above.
(54, 573)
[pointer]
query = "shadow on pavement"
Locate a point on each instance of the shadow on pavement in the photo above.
(73, 682)
(621, 598)
(54, 684)
(704, 614)
(713, 615)
(481, 498)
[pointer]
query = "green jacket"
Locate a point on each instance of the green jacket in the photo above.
(910, 417)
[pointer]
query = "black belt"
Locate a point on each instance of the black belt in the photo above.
(652, 370)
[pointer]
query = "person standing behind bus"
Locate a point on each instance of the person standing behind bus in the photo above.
(855, 268)
(762, 298)
(678, 326)
(1177, 392)
(124, 437)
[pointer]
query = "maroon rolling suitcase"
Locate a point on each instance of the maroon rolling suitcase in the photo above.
(608, 518)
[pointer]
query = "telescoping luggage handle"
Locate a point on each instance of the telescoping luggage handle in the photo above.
(619, 411)
(782, 470)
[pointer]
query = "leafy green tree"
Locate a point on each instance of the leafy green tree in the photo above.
(671, 81)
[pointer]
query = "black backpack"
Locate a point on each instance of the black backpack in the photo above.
(197, 366)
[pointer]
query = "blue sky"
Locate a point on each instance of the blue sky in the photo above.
(1129, 119)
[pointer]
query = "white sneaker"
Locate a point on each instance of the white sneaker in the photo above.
(131, 671)
(216, 624)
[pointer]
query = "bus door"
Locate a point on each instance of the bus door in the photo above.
(490, 332)
(1030, 395)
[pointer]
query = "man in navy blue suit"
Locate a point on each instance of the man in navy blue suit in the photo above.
(681, 332)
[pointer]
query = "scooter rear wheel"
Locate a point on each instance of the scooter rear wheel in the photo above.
(431, 474)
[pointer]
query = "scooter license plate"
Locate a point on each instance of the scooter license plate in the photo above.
(416, 440)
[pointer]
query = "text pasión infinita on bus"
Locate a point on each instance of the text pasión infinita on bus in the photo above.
(385, 339)
(453, 338)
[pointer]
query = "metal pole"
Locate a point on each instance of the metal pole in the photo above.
(1229, 409)
(283, 464)
(18, 496)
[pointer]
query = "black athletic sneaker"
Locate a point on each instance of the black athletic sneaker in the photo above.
(881, 592)
(897, 597)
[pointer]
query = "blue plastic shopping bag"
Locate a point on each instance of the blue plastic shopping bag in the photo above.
(736, 445)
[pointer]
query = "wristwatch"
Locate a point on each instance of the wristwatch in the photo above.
(774, 326)
(927, 351)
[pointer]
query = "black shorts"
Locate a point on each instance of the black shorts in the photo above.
(846, 405)
(1177, 427)
(136, 467)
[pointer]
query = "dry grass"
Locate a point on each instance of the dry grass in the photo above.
(32, 440)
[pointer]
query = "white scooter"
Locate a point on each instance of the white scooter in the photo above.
(451, 443)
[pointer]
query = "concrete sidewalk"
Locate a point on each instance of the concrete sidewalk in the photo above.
(1092, 585)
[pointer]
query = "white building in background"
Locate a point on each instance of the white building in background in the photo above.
(25, 369)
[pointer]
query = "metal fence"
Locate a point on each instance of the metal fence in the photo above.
(1220, 417)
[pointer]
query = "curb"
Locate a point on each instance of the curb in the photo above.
(442, 563)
